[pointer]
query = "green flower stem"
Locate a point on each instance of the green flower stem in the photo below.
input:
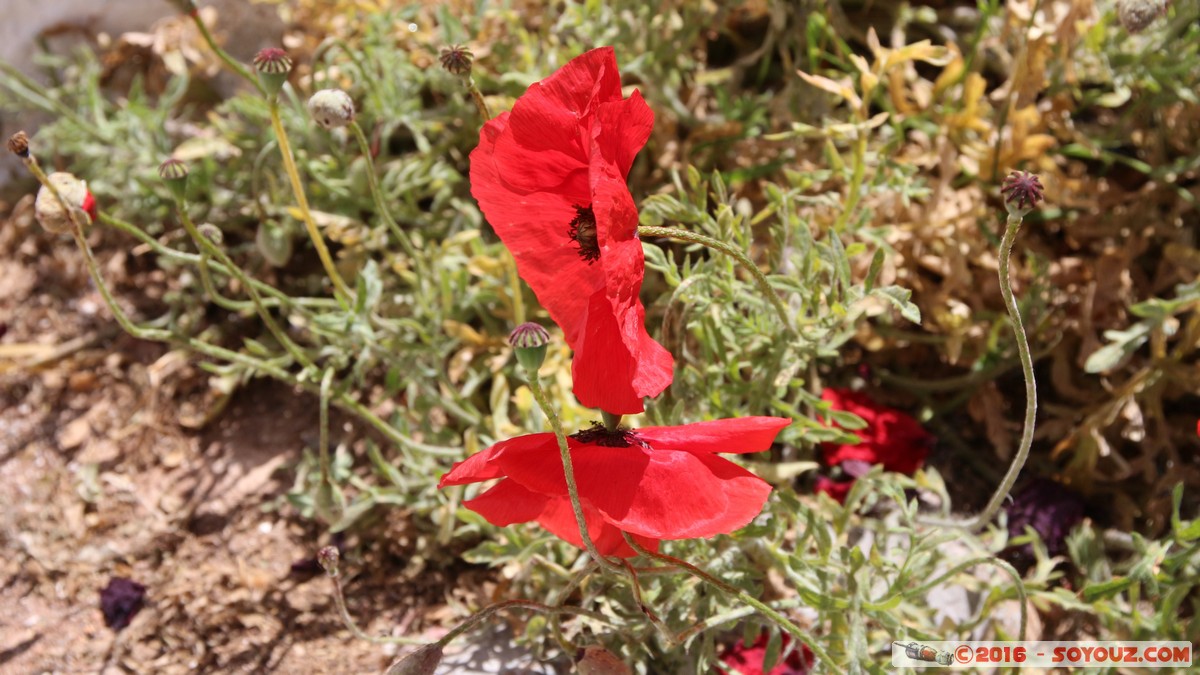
(737, 254)
(1013, 226)
(380, 205)
(538, 607)
(854, 193)
(211, 288)
(289, 165)
(649, 613)
(477, 97)
(233, 64)
(339, 599)
(212, 249)
(276, 297)
(342, 400)
(919, 592)
(779, 619)
(730, 616)
(323, 430)
(539, 395)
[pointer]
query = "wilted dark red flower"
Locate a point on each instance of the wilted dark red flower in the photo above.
(749, 660)
(891, 438)
(654, 482)
(550, 177)
(1051, 509)
(120, 601)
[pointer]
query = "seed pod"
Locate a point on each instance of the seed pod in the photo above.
(273, 66)
(49, 211)
(1136, 15)
(174, 173)
(18, 144)
(529, 340)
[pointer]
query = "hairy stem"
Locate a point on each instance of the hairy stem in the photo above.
(539, 395)
(289, 165)
(364, 146)
(229, 61)
(766, 610)
(205, 244)
(764, 286)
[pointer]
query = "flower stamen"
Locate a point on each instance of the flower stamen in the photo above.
(597, 434)
(583, 233)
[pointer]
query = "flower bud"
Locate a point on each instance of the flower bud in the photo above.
(331, 108)
(457, 59)
(212, 233)
(424, 661)
(49, 210)
(529, 340)
(18, 144)
(273, 66)
(174, 173)
(599, 661)
(329, 557)
(1022, 191)
(1136, 15)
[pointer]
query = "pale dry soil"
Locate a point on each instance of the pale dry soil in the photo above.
(117, 461)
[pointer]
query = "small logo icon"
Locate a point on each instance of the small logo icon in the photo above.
(920, 652)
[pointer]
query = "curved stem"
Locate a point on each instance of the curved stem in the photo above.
(764, 286)
(209, 287)
(233, 64)
(364, 146)
(289, 165)
(538, 607)
(1014, 313)
(205, 244)
(984, 560)
(539, 395)
(779, 619)
(1012, 227)
(477, 97)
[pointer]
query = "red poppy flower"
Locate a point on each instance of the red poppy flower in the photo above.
(654, 482)
(749, 660)
(550, 177)
(836, 489)
(891, 437)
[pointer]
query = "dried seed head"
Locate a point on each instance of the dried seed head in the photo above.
(599, 661)
(1136, 15)
(331, 108)
(273, 66)
(49, 211)
(329, 557)
(18, 144)
(424, 661)
(1022, 191)
(529, 341)
(457, 59)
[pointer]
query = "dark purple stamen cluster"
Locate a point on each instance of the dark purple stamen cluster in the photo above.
(1023, 189)
(583, 233)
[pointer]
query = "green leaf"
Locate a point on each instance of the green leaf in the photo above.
(1106, 589)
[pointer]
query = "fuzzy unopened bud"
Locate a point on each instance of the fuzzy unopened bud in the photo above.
(18, 144)
(457, 59)
(529, 341)
(329, 558)
(49, 210)
(331, 108)
(1136, 15)
(212, 233)
(599, 661)
(421, 662)
(273, 66)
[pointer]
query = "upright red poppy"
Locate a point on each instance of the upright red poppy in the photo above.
(891, 438)
(550, 177)
(654, 482)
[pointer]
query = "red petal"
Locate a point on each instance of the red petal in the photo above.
(603, 369)
(482, 465)
(834, 489)
(664, 494)
(559, 519)
(737, 435)
(506, 503)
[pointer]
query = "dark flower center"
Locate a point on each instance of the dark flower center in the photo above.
(597, 434)
(583, 233)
